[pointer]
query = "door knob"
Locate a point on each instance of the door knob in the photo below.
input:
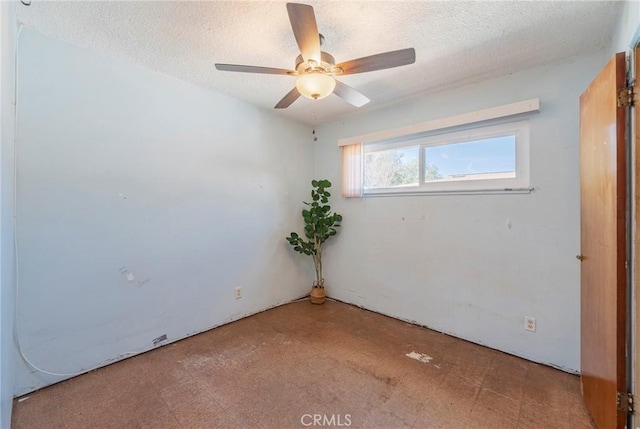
(580, 257)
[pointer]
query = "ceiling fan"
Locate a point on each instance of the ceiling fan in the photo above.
(316, 69)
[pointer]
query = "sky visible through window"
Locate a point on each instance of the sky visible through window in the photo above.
(493, 155)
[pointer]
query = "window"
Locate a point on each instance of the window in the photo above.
(491, 158)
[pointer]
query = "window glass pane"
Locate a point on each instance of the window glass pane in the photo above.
(392, 168)
(493, 158)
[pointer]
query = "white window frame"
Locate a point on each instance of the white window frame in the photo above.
(518, 184)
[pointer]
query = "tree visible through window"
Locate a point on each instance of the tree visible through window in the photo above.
(392, 168)
(396, 168)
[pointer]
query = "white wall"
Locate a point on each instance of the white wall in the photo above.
(626, 27)
(126, 171)
(449, 262)
(7, 276)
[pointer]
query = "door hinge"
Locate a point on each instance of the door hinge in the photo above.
(624, 401)
(625, 96)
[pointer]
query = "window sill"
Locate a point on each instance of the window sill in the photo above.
(504, 191)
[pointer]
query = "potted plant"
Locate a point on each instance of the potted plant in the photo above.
(319, 225)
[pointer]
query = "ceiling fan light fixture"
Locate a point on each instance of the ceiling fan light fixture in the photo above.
(315, 85)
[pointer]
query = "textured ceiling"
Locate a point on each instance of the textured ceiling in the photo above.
(456, 42)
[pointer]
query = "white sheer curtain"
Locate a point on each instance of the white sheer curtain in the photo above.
(352, 170)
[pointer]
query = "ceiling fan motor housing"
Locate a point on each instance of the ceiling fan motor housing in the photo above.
(326, 66)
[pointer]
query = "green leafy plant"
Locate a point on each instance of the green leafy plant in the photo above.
(319, 225)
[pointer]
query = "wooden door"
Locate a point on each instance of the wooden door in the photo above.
(636, 237)
(603, 245)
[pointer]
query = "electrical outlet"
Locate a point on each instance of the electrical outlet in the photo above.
(530, 323)
(238, 292)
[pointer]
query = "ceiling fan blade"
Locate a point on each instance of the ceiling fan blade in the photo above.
(305, 30)
(288, 99)
(350, 95)
(382, 61)
(252, 69)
